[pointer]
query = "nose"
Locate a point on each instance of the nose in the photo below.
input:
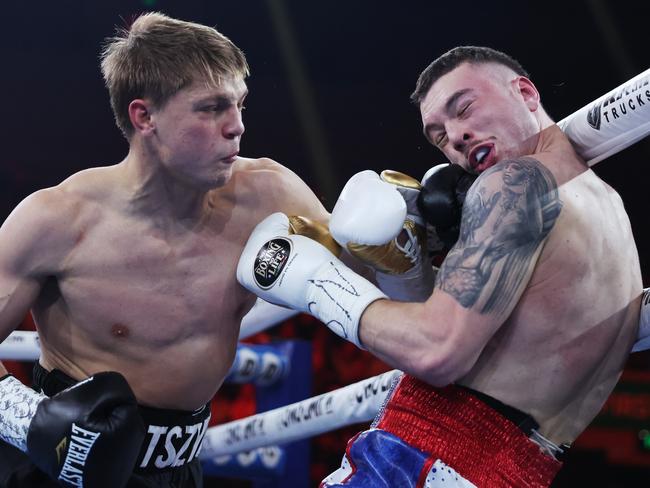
(459, 136)
(234, 126)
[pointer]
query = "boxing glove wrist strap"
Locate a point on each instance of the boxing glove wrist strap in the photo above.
(338, 297)
(17, 408)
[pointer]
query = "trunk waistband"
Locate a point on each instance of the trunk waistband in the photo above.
(457, 425)
(173, 437)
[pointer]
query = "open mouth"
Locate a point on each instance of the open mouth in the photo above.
(481, 153)
(481, 157)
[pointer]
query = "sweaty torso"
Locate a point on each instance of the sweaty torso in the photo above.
(160, 305)
(561, 351)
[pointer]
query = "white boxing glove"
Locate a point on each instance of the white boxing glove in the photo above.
(368, 211)
(643, 336)
(298, 272)
(376, 219)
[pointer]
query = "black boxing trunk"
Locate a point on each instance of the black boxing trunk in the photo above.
(173, 437)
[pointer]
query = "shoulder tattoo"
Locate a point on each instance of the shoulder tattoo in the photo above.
(508, 213)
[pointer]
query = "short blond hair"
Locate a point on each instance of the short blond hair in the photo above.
(158, 56)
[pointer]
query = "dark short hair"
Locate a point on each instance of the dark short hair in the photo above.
(454, 58)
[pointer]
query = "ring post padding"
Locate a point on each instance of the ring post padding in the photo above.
(262, 365)
(264, 463)
(278, 466)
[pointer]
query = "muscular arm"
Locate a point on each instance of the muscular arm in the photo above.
(285, 192)
(507, 216)
(29, 242)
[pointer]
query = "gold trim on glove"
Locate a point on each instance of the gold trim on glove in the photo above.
(314, 230)
(397, 256)
(400, 179)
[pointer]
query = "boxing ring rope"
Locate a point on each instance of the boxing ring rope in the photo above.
(287, 465)
(598, 130)
(352, 404)
(612, 122)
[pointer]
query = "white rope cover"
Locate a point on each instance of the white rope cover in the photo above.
(612, 122)
(21, 345)
(352, 404)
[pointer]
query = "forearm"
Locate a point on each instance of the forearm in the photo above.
(405, 336)
(381, 331)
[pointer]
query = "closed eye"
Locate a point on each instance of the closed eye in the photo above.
(441, 139)
(464, 108)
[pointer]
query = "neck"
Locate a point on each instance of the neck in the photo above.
(555, 151)
(155, 193)
(551, 139)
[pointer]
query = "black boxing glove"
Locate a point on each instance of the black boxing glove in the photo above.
(88, 435)
(444, 188)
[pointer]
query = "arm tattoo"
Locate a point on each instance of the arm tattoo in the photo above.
(501, 230)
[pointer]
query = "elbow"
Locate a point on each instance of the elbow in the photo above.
(443, 365)
(446, 350)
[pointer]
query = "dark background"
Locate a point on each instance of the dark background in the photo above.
(330, 80)
(329, 86)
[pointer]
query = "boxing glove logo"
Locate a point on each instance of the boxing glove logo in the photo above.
(270, 261)
(81, 443)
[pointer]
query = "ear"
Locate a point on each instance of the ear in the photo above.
(528, 92)
(140, 116)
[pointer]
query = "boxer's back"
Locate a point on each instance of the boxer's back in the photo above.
(561, 351)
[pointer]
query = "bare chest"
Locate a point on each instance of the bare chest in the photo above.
(126, 275)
